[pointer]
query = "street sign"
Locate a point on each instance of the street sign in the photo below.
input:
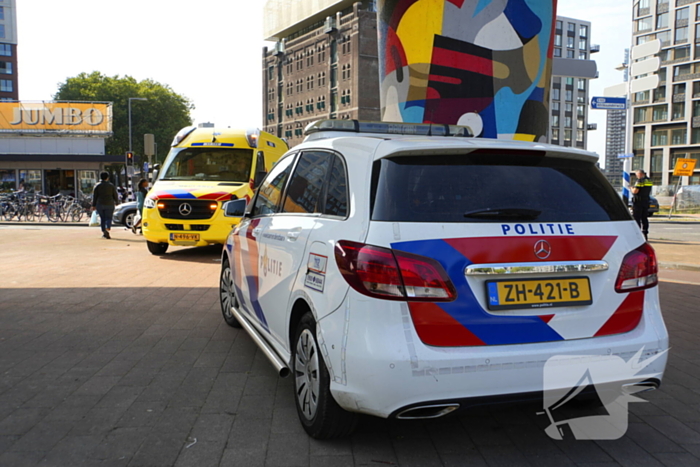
(650, 65)
(625, 156)
(684, 167)
(645, 84)
(609, 103)
(646, 49)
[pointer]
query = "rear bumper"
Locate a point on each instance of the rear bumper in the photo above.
(379, 365)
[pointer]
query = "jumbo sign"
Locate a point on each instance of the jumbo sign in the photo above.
(63, 117)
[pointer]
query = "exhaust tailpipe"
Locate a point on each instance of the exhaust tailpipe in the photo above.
(427, 411)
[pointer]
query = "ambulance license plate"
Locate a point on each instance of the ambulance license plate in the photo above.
(184, 237)
(538, 293)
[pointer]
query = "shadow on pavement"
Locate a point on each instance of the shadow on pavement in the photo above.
(202, 254)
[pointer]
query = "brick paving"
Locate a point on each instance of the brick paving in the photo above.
(110, 356)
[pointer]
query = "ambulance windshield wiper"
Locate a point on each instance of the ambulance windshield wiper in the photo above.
(504, 213)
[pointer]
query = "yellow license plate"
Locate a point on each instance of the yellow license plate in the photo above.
(538, 293)
(184, 237)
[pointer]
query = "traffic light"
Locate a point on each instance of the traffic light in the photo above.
(129, 159)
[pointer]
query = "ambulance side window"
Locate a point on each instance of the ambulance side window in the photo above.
(270, 192)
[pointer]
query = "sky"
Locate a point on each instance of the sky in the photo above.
(210, 51)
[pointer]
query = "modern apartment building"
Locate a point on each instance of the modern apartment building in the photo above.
(323, 64)
(569, 98)
(666, 120)
(616, 122)
(8, 51)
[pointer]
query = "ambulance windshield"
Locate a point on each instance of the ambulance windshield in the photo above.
(208, 164)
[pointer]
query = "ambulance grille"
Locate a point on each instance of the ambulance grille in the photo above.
(185, 209)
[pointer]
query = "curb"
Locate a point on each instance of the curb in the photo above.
(681, 266)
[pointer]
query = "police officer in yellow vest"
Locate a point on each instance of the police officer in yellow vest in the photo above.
(640, 201)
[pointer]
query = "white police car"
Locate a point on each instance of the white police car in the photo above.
(406, 271)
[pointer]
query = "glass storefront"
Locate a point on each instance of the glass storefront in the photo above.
(8, 180)
(32, 179)
(87, 179)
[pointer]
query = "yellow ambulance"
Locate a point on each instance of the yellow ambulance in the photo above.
(205, 168)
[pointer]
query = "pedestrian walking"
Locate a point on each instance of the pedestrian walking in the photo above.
(640, 201)
(104, 199)
(141, 192)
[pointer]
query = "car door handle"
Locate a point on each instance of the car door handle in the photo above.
(256, 231)
(292, 235)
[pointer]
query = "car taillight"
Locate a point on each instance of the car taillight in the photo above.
(638, 271)
(393, 275)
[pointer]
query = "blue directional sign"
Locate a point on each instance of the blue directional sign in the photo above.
(609, 103)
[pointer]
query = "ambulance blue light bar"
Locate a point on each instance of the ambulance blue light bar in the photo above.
(391, 128)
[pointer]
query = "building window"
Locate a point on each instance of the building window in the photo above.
(559, 26)
(681, 70)
(567, 135)
(2, 12)
(555, 134)
(555, 120)
(580, 110)
(571, 27)
(659, 138)
(679, 136)
(570, 53)
(569, 95)
(557, 40)
(682, 52)
(582, 85)
(681, 35)
(579, 136)
(683, 13)
(662, 21)
(659, 113)
(664, 37)
(555, 94)
(582, 56)
(570, 42)
(5, 85)
(660, 94)
(583, 30)
(638, 142)
(5, 68)
(555, 106)
(582, 44)
(644, 24)
(640, 114)
(5, 50)
(567, 122)
(657, 160)
(557, 52)
(568, 107)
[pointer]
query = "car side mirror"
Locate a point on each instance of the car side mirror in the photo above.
(235, 208)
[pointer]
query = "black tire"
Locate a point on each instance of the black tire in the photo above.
(157, 249)
(319, 413)
(227, 295)
(129, 219)
(75, 213)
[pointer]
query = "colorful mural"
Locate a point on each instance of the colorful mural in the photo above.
(481, 63)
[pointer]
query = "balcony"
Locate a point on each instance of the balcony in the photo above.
(595, 48)
(678, 98)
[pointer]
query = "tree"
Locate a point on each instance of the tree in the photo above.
(163, 114)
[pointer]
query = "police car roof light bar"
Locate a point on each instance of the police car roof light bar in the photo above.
(395, 128)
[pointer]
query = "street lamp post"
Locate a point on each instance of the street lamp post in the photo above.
(133, 99)
(130, 188)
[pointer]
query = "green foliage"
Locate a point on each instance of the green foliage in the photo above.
(163, 114)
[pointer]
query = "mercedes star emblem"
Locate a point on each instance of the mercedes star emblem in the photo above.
(543, 249)
(185, 209)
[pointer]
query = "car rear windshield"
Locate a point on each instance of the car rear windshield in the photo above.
(209, 164)
(492, 188)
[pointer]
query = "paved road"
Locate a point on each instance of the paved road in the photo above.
(676, 231)
(112, 357)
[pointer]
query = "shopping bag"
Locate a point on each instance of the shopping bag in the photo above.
(94, 220)
(136, 223)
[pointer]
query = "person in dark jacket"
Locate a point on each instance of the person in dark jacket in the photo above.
(104, 199)
(640, 202)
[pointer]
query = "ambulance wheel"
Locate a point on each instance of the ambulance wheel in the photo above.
(227, 295)
(157, 249)
(319, 413)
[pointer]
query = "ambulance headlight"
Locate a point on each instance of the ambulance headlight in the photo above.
(149, 203)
